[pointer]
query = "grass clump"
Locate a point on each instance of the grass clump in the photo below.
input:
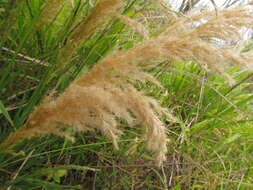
(184, 100)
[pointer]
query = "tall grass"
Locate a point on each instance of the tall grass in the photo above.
(164, 85)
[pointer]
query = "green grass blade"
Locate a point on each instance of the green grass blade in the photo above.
(4, 111)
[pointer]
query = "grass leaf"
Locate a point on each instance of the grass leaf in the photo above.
(4, 111)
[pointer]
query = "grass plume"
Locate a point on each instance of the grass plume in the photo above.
(136, 26)
(103, 10)
(97, 99)
(50, 11)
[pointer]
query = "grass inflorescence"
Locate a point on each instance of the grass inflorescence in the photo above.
(182, 93)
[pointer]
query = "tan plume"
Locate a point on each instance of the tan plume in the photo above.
(103, 10)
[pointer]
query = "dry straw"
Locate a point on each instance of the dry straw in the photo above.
(97, 99)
